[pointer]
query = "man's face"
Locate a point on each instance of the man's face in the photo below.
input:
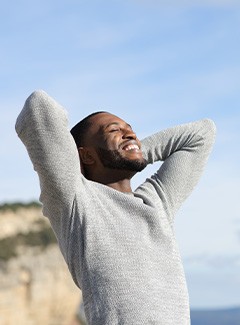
(116, 144)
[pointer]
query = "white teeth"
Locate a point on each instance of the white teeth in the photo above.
(131, 147)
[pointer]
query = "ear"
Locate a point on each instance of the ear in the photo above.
(86, 156)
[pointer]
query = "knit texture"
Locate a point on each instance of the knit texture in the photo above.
(120, 248)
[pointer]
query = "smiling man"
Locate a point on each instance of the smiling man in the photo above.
(119, 244)
(105, 144)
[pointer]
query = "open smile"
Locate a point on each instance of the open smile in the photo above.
(131, 146)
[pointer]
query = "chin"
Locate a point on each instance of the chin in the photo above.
(115, 160)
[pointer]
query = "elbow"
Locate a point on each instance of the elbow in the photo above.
(210, 130)
(36, 96)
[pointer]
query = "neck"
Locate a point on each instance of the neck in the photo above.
(121, 186)
(114, 178)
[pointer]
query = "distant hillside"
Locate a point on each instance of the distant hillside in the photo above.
(14, 206)
(22, 225)
(229, 316)
(35, 283)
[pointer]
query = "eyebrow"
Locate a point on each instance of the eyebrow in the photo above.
(115, 123)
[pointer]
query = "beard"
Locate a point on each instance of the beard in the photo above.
(113, 159)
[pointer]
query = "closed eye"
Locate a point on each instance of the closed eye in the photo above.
(113, 130)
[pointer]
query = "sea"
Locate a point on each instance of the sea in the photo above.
(228, 316)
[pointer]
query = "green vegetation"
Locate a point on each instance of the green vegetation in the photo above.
(42, 238)
(14, 206)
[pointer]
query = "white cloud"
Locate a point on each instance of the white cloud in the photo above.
(213, 289)
(218, 261)
(213, 280)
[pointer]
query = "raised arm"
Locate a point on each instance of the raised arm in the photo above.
(42, 126)
(184, 150)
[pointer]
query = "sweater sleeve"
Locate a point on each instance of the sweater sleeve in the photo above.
(184, 150)
(42, 126)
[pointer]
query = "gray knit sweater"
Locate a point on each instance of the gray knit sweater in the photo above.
(120, 248)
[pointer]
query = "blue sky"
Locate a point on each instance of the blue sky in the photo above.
(155, 64)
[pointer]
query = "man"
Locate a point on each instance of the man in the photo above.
(119, 245)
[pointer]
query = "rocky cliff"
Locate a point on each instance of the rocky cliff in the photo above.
(35, 285)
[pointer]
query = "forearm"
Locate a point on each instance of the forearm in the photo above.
(189, 137)
(184, 150)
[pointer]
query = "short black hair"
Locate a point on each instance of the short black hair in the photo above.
(80, 129)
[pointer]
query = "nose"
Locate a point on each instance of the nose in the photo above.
(129, 134)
